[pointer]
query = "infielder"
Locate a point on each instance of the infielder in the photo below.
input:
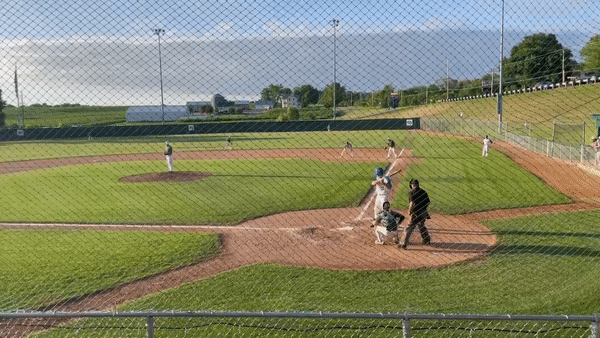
(486, 146)
(228, 143)
(391, 147)
(169, 156)
(389, 229)
(596, 147)
(383, 188)
(347, 147)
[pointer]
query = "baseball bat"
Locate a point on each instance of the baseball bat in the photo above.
(394, 173)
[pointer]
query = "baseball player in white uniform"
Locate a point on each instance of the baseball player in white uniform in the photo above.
(596, 147)
(169, 156)
(383, 188)
(486, 146)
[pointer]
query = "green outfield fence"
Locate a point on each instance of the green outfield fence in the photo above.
(186, 168)
(206, 128)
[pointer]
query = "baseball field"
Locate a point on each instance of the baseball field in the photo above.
(281, 223)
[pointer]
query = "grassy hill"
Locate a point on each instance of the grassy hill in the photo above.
(571, 105)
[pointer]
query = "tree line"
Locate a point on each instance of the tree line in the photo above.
(538, 58)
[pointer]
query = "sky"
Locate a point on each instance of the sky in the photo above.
(106, 53)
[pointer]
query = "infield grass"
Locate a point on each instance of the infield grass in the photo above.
(239, 189)
(43, 267)
(459, 180)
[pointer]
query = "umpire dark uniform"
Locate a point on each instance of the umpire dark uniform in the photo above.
(417, 209)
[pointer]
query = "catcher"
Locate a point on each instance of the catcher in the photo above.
(389, 229)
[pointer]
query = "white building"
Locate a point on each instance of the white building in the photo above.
(290, 101)
(155, 113)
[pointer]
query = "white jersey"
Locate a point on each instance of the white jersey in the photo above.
(383, 190)
(487, 142)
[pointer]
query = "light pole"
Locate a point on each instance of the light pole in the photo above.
(335, 23)
(499, 108)
(158, 32)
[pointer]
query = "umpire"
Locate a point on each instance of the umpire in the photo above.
(417, 210)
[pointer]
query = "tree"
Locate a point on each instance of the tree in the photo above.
(308, 94)
(327, 97)
(293, 113)
(538, 57)
(274, 92)
(591, 55)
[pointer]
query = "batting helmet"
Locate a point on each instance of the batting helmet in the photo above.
(379, 171)
(414, 181)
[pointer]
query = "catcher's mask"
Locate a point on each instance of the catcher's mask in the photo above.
(414, 181)
(379, 172)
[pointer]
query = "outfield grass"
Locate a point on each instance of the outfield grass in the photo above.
(42, 267)
(18, 151)
(545, 264)
(453, 172)
(65, 116)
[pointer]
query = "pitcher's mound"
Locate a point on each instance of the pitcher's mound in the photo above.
(176, 176)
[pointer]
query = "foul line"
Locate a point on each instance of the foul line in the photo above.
(362, 213)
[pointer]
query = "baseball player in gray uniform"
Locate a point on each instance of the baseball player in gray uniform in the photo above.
(169, 156)
(389, 228)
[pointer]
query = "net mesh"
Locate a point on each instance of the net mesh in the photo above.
(277, 114)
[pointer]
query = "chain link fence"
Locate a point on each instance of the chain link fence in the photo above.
(220, 157)
(195, 324)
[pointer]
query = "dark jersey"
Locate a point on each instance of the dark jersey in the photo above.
(420, 201)
(169, 150)
(391, 144)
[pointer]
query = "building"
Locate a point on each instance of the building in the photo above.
(155, 113)
(195, 106)
(263, 105)
(290, 101)
(244, 104)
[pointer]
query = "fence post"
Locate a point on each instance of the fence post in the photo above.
(595, 327)
(406, 327)
(150, 327)
(581, 155)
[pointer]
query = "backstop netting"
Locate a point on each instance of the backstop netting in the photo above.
(192, 157)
